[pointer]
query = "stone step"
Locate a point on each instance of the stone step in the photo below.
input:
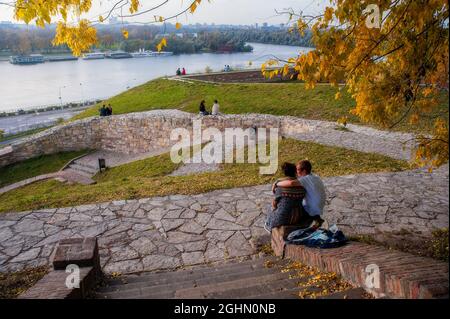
(86, 169)
(196, 272)
(262, 278)
(93, 167)
(207, 290)
(233, 284)
(167, 282)
(79, 171)
(256, 289)
(75, 177)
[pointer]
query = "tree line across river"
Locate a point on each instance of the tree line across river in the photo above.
(19, 40)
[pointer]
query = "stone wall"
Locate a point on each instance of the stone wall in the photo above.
(137, 132)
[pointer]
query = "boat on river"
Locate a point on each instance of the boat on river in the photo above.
(27, 59)
(93, 56)
(143, 54)
(118, 55)
(149, 54)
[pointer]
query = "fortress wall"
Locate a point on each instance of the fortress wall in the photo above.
(137, 132)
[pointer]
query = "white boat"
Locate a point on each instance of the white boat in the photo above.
(148, 54)
(143, 54)
(118, 55)
(93, 56)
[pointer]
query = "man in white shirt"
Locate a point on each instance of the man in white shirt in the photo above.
(315, 197)
(215, 108)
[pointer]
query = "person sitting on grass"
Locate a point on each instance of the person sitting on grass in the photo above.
(315, 197)
(286, 206)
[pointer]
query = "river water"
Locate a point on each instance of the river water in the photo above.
(28, 86)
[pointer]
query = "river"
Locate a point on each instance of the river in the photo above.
(28, 86)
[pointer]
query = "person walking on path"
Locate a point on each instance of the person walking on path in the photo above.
(183, 72)
(178, 72)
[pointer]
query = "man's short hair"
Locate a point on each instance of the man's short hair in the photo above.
(305, 166)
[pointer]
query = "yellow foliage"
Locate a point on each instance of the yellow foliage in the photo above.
(125, 33)
(178, 25)
(394, 73)
(79, 38)
(162, 44)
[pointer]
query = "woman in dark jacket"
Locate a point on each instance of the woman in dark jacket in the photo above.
(287, 205)
(203, 108)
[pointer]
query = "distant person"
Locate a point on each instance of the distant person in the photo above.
(178, 72)
(103, 110)
(183, 72)
(109, 110)
(215, 108)
(202, 108)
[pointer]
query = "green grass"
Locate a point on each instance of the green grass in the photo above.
(34, 167)
(15, 283)
(148, 177)
(268, 98)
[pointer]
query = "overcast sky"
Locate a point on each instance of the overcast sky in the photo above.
(217, 11)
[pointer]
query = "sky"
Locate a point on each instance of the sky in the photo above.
(215, 11)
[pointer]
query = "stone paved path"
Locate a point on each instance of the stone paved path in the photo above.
(360, 138)
(168, 232)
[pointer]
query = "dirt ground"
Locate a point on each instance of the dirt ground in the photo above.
(238, 77)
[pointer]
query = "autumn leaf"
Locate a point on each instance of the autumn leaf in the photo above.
(125, 33)
(178, 25)
(162, 44)
(337, 96)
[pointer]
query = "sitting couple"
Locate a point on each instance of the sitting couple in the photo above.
(299, 198)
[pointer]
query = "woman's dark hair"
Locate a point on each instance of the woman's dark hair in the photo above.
(215, 101)
(289, 169)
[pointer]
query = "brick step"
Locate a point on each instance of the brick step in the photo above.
(83, 168)
(196, 272)
(167, 283)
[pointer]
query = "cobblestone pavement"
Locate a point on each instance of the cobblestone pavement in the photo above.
(173, 231)
(364, 139)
